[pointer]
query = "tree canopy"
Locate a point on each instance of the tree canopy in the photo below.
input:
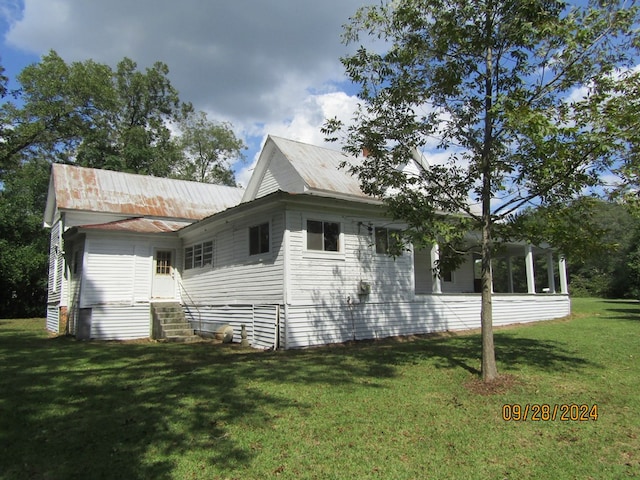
(124, 119)
(209, 149)
(89, 114)
(515, 93)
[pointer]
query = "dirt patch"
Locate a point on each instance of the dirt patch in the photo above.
(502, 384)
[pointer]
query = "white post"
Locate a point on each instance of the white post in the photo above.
(562, 267)
(550, 275)
(531, 279)
(510, 272)
(436, 285)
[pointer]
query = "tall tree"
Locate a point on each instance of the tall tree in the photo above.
(209, 150)
(95, 116)
(492, 81)
(23, 241)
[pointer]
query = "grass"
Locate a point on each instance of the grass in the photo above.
(400, 409)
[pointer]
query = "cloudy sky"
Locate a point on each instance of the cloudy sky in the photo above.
(266, 66)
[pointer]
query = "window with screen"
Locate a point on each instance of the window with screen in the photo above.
(323, 236)
(198, 255)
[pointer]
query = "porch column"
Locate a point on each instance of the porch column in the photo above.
(550, 275)
(436, 284)
(531, 279)
(562, 268)
(510, 273)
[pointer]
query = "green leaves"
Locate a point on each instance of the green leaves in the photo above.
(498, 85)
(95, 116)
(210, 148)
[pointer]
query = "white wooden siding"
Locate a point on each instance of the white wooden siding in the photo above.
(462, 277)
(320, 324)
(265, 326)
(115, 322)
(269, 184)
(260, 321)
(142, 271)
(280, 175)
(109, 272)
(236, 277)
(326, 278)
(119, 270)
(53, 318)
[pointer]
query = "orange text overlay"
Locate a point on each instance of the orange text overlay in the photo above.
(545, 412)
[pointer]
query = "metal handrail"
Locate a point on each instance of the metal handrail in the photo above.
(183, 289)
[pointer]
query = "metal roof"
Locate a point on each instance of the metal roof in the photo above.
(320, 168)
(139, 225)
(106, 191)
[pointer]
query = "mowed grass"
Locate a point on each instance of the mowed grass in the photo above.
(394, 409)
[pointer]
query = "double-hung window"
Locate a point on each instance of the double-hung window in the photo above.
(323, 236)
(387, 240)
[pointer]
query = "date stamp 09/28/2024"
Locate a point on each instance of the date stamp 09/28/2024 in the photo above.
(544, 412)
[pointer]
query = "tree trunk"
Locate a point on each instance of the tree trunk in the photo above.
(489, 368)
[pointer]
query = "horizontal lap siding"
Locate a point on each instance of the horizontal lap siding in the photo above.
(316, 325)
(509, 309)
(237, 277)
(329, 279)
(52, 318)
(120, 322)
(109, 272)
(265, 322)
(260, 321)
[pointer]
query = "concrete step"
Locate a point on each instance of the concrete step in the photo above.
(172, 318)
(173, 324)
(172, 332)
(183, 338)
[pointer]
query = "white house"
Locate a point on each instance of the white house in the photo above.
(298, 258)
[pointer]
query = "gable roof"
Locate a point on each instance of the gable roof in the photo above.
(106, 191)
(297, 167)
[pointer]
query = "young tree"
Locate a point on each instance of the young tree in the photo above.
(209, 149)
(494, 83)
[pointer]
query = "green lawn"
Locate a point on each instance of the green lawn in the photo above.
(390, 409)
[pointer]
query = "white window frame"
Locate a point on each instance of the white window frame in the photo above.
(208, 244)
(311, 253)
(387, 230)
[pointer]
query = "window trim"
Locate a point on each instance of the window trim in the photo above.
(387, 230)
(310, 252)
(202, 247)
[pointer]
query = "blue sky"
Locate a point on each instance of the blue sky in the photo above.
(266, 67)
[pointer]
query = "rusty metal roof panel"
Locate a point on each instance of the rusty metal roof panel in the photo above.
(139, 225)
(320, 167)
(88, 189)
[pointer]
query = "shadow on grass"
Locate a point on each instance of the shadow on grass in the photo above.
(465, 351)
(623, 309)
(71, 409)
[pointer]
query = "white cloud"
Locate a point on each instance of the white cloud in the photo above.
(304, 124)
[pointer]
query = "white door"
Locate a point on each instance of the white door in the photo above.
(164, 283)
